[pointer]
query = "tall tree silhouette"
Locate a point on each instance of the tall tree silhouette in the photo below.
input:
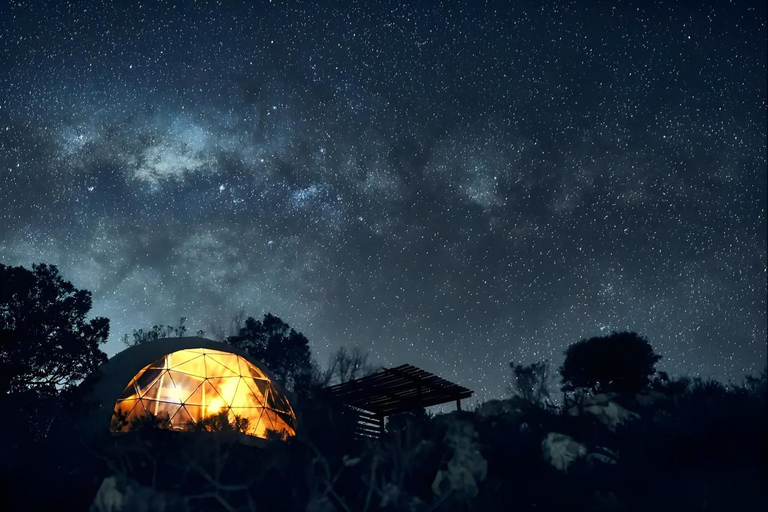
(157, 332)
(622, 362)
(46, 342)
(346, 365)
(282, 349)
(531, 382)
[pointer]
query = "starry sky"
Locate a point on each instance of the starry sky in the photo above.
(451, 185)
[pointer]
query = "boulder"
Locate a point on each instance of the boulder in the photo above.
(121, 494)
(594, 459)
(605, 409)
(511, 407)
(649, 397)
(560, 450)
(466, 468)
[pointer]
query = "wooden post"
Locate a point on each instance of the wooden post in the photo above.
(458, 404)
(381, 425)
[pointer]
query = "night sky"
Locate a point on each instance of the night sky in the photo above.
(449, 185)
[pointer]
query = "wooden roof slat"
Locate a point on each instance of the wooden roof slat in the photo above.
(368, 428)
(426, 403)
(402, 395)
(397, 389)
(365, 386)
(406, 392)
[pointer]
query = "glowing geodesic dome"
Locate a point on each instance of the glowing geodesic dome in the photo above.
(187, 386)
(184, 381)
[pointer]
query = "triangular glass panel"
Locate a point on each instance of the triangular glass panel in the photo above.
(227, 360)
(284, 430)
(245, 397)
(271, 402)
(162, 410)
(255, 425)
(118, 424)
(136, 413)
(259, 387)
(279, 401)
(124, 407)
(194, 366)
(243, 366)
(168, 391)
(195, 412)
(160, 363)
(147, 379)
(278, 425)
(230, 416)
(140, 405)
(288, 420)
(267, 420)
(185, 384)
(196, 397)
(154, 392)
(252, 415)
(227, 387)
(254, 372)
(181, 357)
(213, 368)
(129, 391)
(212, 400)
(182, 420)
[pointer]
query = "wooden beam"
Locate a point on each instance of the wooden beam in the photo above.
(395, 390)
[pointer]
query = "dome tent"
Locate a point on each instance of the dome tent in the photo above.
(183, 381)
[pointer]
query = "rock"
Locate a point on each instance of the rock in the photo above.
(650, 397)
(561, 450)
(349, 461)
(320, 503)
(118, 493)
(608, 412)
(510, 407)
(390, 494)
(466, 467)
(598, 458)
(604, 450)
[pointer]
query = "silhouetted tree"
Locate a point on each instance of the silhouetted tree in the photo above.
(221, 333)
(343, 366)
(531, 382)
(671, 386)
(282, 349)
(46, 342)
(346, 365)
(157, 332)
(622, 362)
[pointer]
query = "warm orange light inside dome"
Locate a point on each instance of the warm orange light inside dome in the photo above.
(187, 386)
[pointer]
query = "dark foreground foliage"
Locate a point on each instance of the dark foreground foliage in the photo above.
(46, 340)
(678, 445)
(627, 439)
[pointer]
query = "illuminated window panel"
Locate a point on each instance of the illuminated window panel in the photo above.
(187, 386)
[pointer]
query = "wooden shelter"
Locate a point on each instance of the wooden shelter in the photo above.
(392, 391)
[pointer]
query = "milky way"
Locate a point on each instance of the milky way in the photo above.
(450, 186)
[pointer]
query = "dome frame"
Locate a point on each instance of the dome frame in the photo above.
(106, 385)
